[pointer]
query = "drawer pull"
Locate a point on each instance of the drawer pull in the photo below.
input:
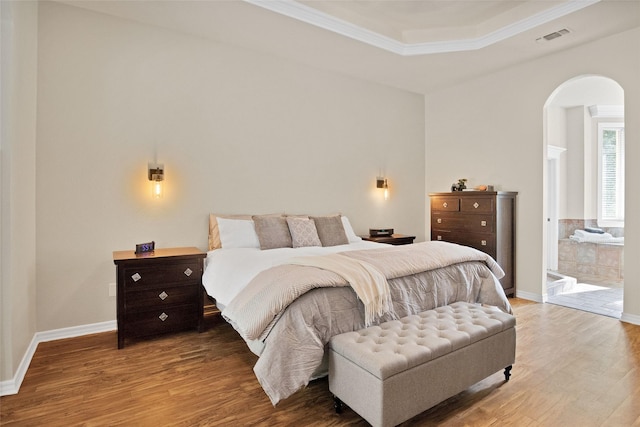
(476, 205)
(439, 237)
(439, 220)
(163, 296)
(188, 272)
(163, 316)
(483, 223)
(444, 205)
(136, 277)
(483, 242)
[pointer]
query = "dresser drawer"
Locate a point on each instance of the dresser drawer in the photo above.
(183, 273)
(458, 221)
(477, 205)
(161, 297)
(483, 242)
(161, 320)
(445, 204)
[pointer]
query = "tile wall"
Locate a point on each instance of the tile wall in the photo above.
(602, 262)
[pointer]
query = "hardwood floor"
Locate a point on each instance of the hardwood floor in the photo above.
(572, 369)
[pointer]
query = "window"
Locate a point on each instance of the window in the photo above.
(611, 174)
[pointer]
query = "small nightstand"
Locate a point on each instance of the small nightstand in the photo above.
(159, 292)
(394, 239)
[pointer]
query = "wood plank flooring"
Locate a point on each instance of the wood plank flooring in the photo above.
(572, 369)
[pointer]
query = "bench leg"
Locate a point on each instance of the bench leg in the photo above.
(507, 372)
(337, 404)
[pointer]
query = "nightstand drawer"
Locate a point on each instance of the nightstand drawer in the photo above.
(161, 320)
(183, 273)
(161, 297)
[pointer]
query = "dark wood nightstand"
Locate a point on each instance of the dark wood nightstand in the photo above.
(159, 292)
(394, 239)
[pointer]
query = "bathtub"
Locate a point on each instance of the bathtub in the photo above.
(603, 262)
(598, 261)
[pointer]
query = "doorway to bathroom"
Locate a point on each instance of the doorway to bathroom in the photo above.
(584, 126)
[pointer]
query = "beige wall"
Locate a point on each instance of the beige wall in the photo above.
(237, 131)
(17, 170)
(490, 131)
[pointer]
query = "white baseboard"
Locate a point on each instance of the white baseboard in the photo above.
(12, 386)
(76, 331)
(630, 318)
(529, 296)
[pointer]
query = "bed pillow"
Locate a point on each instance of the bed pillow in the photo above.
(273, 231)
(303, 232)
(348, 230)
(214, 231)
(330, 230)
(237, 233)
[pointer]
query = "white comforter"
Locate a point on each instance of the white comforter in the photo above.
(228, 271)
(292, 346)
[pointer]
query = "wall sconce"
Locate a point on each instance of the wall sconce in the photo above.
(156, 176)
(381, 182)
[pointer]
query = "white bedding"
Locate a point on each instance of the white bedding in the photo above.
(228, 271)
(291, 348)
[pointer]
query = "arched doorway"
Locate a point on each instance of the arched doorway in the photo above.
(584, 249)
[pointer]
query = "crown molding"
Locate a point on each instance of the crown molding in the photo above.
(312, 16)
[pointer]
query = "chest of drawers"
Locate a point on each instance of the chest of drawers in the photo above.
(158, 293)
(484, 220)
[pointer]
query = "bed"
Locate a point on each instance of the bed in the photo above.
(283, 282)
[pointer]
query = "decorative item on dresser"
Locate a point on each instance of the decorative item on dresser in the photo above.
(393, 239)
(158, 292)
(484, 220)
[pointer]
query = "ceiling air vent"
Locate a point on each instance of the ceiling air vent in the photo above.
(553, 35)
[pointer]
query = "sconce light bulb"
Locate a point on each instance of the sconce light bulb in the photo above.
(386, 193)
(157, 190)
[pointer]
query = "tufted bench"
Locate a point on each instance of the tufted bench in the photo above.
(392, 372)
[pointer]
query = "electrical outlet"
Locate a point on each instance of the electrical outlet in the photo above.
(112, 289)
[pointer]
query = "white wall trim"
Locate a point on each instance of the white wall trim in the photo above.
(554, 152)
(12, 386)
(630, 318)
(606, 111)
(529, 296)
(76, 331)
(312, 16)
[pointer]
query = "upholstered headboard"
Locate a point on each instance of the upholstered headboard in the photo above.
(328, 232)
(214, 232)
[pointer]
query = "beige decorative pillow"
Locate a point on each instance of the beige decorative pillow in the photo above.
(214, 231)
(330, 230)
(303, 232)
(273, 231)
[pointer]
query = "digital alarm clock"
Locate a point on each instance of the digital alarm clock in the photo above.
(380, 232)
(144, 248)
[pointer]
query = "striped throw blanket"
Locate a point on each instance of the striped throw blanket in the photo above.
(366, 280)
